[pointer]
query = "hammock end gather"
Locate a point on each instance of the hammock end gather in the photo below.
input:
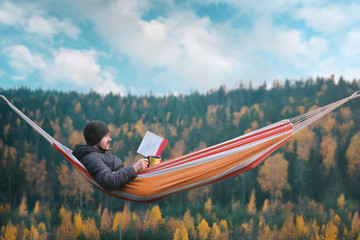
(355, 94)
(4, 98)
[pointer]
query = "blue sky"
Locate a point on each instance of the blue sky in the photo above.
(174, 46)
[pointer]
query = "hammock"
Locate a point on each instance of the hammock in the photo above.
(202, 167)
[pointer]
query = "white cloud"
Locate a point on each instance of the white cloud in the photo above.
(74, 66)
(79, 69)
(330, 19)
(23, 61)
(11, 14)
(33, 20)
(185, 47)
(51, 26)
(351, 45)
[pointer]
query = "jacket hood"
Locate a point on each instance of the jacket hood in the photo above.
(81, 150)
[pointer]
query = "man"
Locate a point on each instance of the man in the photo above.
(108, 170)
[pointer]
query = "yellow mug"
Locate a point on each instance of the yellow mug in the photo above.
(153, 160)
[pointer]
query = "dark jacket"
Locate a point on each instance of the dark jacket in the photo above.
(107, 170)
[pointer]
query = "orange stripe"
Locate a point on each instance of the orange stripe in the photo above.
(150, 186)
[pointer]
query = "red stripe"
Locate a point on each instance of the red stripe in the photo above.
(158, 153)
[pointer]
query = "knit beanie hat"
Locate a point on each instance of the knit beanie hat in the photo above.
(94, 131)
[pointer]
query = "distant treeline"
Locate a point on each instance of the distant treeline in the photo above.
(321, 162)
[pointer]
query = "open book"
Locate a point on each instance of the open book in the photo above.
(151, 145)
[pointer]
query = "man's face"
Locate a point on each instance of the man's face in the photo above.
(104, 144)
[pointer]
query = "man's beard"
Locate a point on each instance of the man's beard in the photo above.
(101, 149)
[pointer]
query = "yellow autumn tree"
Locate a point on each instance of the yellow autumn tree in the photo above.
(288, 229)
(215, 232)
(23, 207)
(90, 230)
(66, 231)
(248, 228)
(266, 206)
(41, 179)
(331, 231)
(106, 220)
(251, 207)
(75, 137)
(77, 107)
(300, 226)
(34, 233)
(273, 176)
(155, 217)
(208, 206)
(188, 221)
(42, 231)
(78, 224)
(37, 208)
(116, 222)
(9, 232)
(353, 156)
(177, 234)
(30, 166)
(304, 141)
(341, 201)
(327, 149)
(203, 229)
(125, 217)
(80, 189)
(178, 149)
(355, 225)
(63, 172)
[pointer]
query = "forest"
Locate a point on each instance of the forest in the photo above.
(313, 195)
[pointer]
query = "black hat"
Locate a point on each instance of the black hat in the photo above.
(94, 131)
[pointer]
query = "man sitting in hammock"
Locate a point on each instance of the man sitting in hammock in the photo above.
(108, 170)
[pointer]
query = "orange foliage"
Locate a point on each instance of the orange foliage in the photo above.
(288, 229)
(66, 231)
(203, 229)
(341, 201)
(63, 172)
(106, 220)
(90, 230)
(273, 175)
(178, 149)
(23, 207)
(355, 224)
(208, 206)
(327, 149)
(75, 137)
(251, 207)
(9, 232)
(155, 217)
(330, 231)
(304, 140)
(78, 224)
(353, 156)
(37, 208)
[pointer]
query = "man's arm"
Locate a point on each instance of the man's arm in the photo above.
(104, 176)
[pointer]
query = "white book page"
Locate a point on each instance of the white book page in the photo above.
(150, 144)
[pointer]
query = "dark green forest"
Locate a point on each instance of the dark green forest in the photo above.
(41, 192)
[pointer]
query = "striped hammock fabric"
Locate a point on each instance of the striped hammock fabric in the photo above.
(202, 167)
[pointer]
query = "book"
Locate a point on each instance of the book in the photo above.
(151, 145)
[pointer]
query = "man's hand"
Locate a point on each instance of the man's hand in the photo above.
(141, 164)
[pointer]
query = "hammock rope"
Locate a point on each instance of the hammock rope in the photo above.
(202, 167)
